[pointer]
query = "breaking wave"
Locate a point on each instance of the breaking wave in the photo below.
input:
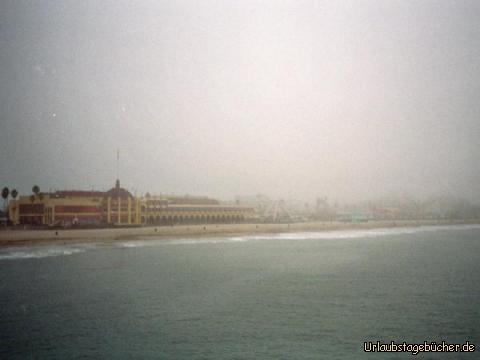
(43, 251)
(39, 252)
(354, 234)
(183, 241)
(319, 235)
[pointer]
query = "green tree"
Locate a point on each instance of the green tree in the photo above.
(35, 189)
(14, 194)
(5, 193)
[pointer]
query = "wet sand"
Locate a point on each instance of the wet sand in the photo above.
(16, 237)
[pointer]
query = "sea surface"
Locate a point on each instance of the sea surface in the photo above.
(284, 296)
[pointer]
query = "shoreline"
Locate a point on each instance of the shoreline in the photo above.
(16, 238)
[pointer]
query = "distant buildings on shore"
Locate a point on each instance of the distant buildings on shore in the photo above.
(118, 207)
(388, 208)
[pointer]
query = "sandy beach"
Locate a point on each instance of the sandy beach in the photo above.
(16, 237)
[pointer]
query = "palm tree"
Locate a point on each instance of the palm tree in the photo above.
(14, 194)
(5, 193)
(35, 189)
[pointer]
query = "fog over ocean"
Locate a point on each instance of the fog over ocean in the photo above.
(352, 100)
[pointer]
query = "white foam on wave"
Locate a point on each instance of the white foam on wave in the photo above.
(183, 241)
(38, 252)
(218, 240)
(136, 244)
(322, 235)
(133, 244)
(354, 234)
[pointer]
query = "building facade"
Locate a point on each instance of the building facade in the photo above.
(168, 210)
(118, 207)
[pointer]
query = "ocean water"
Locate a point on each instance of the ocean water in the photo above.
(286, 296)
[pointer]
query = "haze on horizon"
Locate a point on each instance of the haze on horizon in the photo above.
(296, 99)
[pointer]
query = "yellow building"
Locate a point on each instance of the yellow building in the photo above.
(118, 207)
(88, 208)
(167, 210)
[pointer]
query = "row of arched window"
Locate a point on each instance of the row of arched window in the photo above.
(192, 219)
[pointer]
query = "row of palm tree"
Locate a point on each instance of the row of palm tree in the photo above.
(14, 193)
(5, 193)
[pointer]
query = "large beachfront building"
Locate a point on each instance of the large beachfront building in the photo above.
(118, 207)
(164, 210)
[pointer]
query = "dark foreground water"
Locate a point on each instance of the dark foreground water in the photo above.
(291, 296)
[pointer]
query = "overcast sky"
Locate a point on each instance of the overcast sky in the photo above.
(294, 99)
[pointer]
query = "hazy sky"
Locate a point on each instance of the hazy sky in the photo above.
(349, 100)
